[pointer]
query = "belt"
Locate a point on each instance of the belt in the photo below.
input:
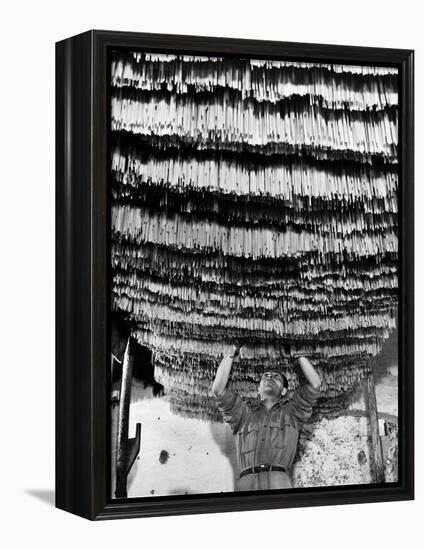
(262, 468)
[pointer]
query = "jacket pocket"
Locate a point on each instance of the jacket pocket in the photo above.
(277, 434)
(248, 439)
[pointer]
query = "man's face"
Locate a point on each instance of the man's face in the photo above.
(271, 385)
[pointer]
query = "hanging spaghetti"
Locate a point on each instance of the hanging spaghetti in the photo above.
(257, 201)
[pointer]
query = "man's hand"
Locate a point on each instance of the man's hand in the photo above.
(236, 350)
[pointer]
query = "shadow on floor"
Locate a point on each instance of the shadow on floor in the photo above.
(45, 495)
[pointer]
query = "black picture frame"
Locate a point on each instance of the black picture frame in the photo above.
(82, 274)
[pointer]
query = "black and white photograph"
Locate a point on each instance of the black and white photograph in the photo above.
(254, 267)
(211, 236)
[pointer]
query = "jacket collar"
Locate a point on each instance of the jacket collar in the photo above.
(260, 403)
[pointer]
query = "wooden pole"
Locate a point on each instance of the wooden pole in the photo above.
(123, 422)
(371, 403)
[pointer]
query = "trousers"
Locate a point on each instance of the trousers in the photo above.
(264, 480)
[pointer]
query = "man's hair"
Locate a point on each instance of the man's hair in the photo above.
(283, 377)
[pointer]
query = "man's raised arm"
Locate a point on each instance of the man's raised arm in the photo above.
(310, 373)
(233, 408)
(306, 395)
(223, 373)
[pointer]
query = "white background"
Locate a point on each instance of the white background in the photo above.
(29, 31)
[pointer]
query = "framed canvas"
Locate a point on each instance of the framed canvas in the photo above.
(234, 229)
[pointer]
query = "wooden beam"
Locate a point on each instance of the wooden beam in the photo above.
(371, 403)
(125, 447)
(364, 413)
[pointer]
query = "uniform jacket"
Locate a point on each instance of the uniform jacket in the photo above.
(267, 437)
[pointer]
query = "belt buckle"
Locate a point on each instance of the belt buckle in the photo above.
(263, 467)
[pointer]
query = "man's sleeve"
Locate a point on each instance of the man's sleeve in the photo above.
(233, 408)
(302, 403)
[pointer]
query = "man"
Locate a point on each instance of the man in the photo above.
(267, 431)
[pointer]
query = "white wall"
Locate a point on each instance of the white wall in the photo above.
(201, 454)
(29, 30)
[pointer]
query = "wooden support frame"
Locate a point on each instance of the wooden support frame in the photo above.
(377, 450)
(127, 449)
